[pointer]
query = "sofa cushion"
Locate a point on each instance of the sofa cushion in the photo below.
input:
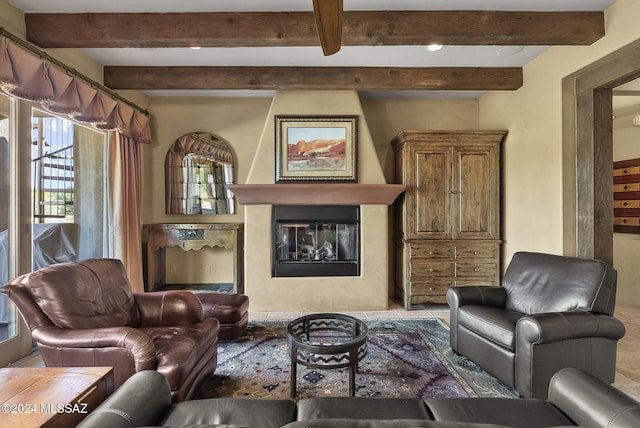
(538, 283)
(513, 412)
(179, 348)
(495, 324)
(362, 408)
(250, 412)
(378, 423)
(94, 293)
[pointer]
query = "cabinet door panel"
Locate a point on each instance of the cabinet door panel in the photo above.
(432, 194)
(475, 191)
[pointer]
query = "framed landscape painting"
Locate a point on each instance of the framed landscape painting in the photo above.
(316, 148)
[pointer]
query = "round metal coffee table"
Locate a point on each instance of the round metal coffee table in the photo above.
(327, 341)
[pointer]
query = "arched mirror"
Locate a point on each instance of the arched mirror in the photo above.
(198, 167)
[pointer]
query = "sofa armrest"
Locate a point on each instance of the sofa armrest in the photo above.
(549, 342)
(142, 400)
(168, 308)
(558, 326)
(478, 295)
(138, 344)
(589, 401)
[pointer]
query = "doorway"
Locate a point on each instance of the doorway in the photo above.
(588, 151)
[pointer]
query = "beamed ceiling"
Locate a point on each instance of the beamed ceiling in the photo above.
(250, 46)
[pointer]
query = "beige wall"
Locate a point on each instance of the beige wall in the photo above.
(532, 157)
(387, 117)
(241, 122)
(369, 290)
(238, 121)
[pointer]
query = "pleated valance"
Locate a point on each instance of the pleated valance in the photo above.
(27, 76)
(204, 145)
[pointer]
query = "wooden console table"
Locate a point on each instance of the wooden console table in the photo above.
(192, 236)
(53, 396)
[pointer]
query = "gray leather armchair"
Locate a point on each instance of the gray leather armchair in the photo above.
(551, 312)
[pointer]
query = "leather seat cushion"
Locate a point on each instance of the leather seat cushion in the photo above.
(228, 308)
(495, 324)
(250, 412)
(361, 408)
(179, 349)
(378, 423)
(514, 412)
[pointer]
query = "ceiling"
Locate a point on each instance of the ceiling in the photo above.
(382, 55)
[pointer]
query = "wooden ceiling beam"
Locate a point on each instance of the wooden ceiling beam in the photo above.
(312, 78)
(363, 28)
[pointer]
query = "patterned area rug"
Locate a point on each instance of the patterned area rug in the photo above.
(406, 358)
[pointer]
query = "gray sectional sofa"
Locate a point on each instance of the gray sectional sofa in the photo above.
(576, 398)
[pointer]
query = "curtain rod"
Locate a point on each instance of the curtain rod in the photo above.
(72, 71)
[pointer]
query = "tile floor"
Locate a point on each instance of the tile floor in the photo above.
(628, 361)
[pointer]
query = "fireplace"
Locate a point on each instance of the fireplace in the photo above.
(314, 240)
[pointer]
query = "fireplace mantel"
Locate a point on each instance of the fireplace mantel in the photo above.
(316, 193)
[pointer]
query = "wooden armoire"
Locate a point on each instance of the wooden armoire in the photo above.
(447, 222)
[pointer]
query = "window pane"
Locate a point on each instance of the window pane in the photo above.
(7, 316)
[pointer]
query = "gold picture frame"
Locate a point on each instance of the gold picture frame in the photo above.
(316, 148)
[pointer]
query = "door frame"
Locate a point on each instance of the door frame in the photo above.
(588, 151)
(20, 240)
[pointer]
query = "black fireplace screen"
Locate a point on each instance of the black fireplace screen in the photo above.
(316, 241)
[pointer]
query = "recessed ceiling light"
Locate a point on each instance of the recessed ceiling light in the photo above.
(510, 50)
(434, 47)
(195, 48)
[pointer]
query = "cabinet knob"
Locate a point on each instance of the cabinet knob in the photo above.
(475, 253)
(625, 203)
(430, 269)
(431, 253)
(475, 269)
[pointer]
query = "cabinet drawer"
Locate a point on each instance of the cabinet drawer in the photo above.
(431, 251)
(428, 269)
(437, 287)
(477, 251)
(475, 268)
(477, 281)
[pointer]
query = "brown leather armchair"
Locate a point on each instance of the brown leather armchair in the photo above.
(84, 314)
(551, 312)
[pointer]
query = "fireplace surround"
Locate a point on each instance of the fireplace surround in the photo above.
(316, 240)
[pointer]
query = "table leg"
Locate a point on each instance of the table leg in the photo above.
(352, 380)
(294, 375)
